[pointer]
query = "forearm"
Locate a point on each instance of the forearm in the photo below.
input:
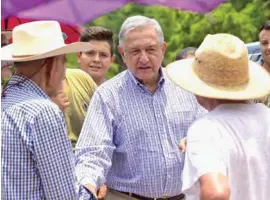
(214, 186)
(93, 164)
(213, 196)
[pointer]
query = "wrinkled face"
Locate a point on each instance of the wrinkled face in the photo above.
(264, 37)
(57, 73)
(142, 53)
(98, 60)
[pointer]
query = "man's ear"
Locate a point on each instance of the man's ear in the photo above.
(79, 54)
(164, 47)
(121, 52)
(48, 64)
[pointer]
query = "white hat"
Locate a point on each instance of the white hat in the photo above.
(38, 40)
(221, 70)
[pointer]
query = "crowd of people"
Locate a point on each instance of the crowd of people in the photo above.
(197, 129)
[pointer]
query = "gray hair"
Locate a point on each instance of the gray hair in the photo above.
(139, 21)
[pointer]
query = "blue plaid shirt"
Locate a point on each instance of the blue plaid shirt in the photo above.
(37, 160)
(130, 137)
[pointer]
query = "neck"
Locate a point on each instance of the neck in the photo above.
(99, 80)
(36, 78)
(152, 85)
(216, 102)
(35, 74)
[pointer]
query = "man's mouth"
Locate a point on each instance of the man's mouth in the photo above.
(144, 68)
(95, 67)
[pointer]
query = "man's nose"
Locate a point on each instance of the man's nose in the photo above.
(144, 57)
(96, 57)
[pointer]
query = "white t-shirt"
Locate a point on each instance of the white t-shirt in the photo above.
(233, 139)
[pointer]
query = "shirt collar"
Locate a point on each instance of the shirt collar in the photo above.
(22, 82)
(135, 80)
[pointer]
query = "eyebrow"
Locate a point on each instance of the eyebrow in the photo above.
(150, 46)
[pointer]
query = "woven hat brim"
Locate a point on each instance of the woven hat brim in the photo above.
(6, 52)
(182, 74)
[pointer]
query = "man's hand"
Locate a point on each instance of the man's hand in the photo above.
(92, 189)
(102, 192)
(183, 144)
(61, 100)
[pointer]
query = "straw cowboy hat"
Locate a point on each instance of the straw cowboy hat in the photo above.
(221, 70)
(38, 40)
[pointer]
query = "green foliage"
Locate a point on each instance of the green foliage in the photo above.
(182, 29)
(72, 61)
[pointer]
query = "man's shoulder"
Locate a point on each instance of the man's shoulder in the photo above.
(181, 97)
(114, 84)
(79, 80)
(71, 72)
(31, 107)
(78, 74)
(206, 125)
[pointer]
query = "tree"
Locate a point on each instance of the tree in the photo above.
(182, 29)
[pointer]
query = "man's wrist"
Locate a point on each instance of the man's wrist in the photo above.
(91, 188)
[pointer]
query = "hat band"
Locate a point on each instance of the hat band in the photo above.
(23, 56)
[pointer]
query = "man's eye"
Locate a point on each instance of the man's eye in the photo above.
(135, 51)
(104, 55)
(90, 53)
(151, 50)
(264, 43)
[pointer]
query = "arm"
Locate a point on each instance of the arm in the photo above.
(53, 154)
(205, 168)
(95, 145)
(60, 98)
(214, 186)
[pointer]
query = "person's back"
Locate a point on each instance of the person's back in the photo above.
(241, 136)
(27, 116)
(249, 151)
(79, 87)
(36, 155)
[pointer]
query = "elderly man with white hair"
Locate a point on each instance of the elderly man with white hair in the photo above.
(228, 150)
(131, 134)
(36, 154)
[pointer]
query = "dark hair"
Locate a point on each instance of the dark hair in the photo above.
(97, 33)
(185, 52)
(265, 26)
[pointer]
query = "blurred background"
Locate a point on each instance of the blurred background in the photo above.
(242, 18)
(181, 28)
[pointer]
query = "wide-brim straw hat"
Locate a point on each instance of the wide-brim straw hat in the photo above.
(38, 40)
(221, 70)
